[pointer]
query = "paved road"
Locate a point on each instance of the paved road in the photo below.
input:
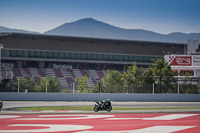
(13, 104)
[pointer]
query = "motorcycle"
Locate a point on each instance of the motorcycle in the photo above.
(102, 106)
(1, 105)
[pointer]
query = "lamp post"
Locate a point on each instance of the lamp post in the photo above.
(153, 87)
(100, 86)
(1, 46)
(46, 85)
(18, 85)
(178, 88)
(73, 85)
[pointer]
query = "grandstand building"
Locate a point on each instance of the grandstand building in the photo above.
(64, 57)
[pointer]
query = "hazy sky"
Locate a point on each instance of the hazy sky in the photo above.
(162, 16)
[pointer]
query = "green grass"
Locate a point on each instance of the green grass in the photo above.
(90, 108)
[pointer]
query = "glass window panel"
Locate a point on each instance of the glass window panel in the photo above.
(66, 55)
(25, 53)
(54, 54)
(5, 53)
(37, 54)
(48, 54)
(101, 56)
(42, 54)
(61, 55)
(12, 53)
(139, 58)
(71, 55)
(83, 56)
(78, 56)
(31, 53)
(94, 56)
(106, 57)
(124, 57)
(18, 53)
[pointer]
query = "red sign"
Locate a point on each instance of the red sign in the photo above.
(180, 60)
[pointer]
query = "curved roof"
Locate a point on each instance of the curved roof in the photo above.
(92, 45)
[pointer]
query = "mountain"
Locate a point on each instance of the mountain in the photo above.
(4, 29)
(89, 27)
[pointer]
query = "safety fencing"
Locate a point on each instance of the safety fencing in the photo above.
(13, 96)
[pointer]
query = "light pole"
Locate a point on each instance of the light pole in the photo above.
(178, 88)
(153, 87)
(73, 85)
(1, 46)
(46, 85)
(100, 86)
(18, 85)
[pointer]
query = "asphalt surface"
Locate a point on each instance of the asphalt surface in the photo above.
(14, 104)
(8, 105)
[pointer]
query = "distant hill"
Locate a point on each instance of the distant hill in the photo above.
(4, 29)
(89, 27)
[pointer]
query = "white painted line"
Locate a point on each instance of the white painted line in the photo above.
(171, 117)
(47, 111)
(164, 117)
(8, 116)
(67, 117)
(52, 128)
(154, 129)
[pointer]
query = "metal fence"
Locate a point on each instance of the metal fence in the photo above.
(12, 96)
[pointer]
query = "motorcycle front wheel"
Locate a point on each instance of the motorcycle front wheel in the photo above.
(109, 108)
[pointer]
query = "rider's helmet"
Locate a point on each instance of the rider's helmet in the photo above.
(108, 99)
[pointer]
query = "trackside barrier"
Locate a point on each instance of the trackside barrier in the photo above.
(12, 96)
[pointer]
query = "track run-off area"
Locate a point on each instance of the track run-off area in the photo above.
(101, 123)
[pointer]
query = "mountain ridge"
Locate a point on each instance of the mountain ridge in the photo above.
(5, 29)
(89, 27)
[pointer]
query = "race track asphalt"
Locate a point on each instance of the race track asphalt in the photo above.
(14, 104)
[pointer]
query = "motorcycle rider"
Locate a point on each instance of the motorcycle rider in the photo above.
(106, 103)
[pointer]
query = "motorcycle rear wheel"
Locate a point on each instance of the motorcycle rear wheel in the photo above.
(96, 109)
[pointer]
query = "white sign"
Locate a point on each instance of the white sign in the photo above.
(7, 65)
(196, 60)
(56, 66)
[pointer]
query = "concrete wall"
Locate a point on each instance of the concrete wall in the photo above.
(10, 96)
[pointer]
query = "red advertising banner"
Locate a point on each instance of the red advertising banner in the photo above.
(180, 60)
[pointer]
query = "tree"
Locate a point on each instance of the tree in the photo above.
(82, 84)
(112, 83)
(25, 83)
(189, 85)
(22, 84)
(198, 87)
(148, 81)
(32, 85)
(162, 75)
(52, 84)
(132, 78)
